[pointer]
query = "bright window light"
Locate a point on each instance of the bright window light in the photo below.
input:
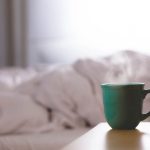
(65, 30)
(111, 25)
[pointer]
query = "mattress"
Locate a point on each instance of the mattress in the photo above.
(46, 141)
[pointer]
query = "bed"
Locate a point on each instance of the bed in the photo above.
(46, 107)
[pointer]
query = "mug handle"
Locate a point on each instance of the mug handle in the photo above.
(144, 116)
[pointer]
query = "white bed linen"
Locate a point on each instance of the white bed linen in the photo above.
(60, 87)
(44, 141)
(66, 89)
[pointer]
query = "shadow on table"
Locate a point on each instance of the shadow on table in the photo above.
(124, 140)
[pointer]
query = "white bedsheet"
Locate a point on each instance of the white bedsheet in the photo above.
(44, 141)
(71, 93)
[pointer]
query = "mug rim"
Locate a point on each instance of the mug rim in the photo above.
(123, 84)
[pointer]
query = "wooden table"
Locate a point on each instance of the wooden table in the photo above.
(102, 137)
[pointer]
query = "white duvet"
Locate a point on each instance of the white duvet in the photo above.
(52, 100)
(19, 113)
(66, 96)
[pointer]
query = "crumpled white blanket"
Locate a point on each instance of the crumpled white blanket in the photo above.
(64, 98)
(69, 96)
(20, 114)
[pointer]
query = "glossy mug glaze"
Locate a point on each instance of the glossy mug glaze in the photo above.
(123, 104)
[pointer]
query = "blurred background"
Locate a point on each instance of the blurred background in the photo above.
(34, 32)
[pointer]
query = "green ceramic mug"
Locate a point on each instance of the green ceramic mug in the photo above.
(123, 104)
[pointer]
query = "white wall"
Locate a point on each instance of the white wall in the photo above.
(64, 30)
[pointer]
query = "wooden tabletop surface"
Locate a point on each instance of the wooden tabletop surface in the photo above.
(102, 137)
